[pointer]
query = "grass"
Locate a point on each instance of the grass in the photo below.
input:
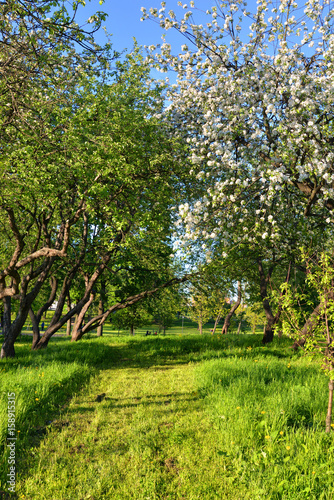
(169, 417)
(183, 327)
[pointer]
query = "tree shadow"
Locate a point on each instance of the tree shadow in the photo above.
(156, 353)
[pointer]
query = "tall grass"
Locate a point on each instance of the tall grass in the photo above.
(270, 410)
(42, 382)
(183, 417)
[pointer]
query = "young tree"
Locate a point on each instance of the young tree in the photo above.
(200, 308)
(165, 307)
(255, 316)
(232, 310)
(314, 330)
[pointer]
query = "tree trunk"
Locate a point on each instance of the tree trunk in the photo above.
(36, 318)
(14, 329)
(200, 327)
(35, 329)
(57, 321)
(239, 327)
(219, 315)
(99, 330)
(229, 315)
(330, 404)
(7, 349)
(68, 323)
(68, 328)
(90, 325)
(132, 330)
(308, 327)
(77, 330)
(268, 333)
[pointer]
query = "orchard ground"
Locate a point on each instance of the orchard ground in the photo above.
(167, 417)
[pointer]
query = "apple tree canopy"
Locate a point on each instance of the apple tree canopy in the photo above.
(254, 100)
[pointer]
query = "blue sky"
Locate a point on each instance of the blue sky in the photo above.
(124, 23)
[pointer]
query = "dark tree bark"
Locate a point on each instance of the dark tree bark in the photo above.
(218, 318)
(229, 315)
(268, 333)
(25, 301)
(36, 318)
(99, 331)
(35, 328)
(272, 320)
(68, 323)
(77, 329)
(7, 350)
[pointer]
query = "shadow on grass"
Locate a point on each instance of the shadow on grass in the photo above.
(108, 352)
(158, 353)
(149, 400)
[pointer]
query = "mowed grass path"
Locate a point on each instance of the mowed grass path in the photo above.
(134, 432)
(192, 417)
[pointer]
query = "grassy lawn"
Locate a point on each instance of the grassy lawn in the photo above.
(183, 327)
(168, 417)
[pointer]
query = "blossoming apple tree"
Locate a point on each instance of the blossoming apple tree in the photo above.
(254, 101)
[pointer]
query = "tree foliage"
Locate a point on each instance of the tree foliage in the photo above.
(254, 101)
(89, 167)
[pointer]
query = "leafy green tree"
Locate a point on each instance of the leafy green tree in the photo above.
(313, 332)
(132, 317)
(165, 307)
(92, 166)
(200, 308)
(254, 315)
(40, 47)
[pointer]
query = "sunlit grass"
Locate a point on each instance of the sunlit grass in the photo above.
(171, 417)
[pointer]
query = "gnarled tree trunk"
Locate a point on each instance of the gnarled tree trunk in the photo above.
(77, 330)
(14, 329)
(218, 318)
(99, 330)
(36, 318)
(229, 315)
(7, 350)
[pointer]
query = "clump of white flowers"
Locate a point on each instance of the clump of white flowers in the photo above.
(257, 114)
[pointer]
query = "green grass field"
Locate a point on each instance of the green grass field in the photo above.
(167, 417)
